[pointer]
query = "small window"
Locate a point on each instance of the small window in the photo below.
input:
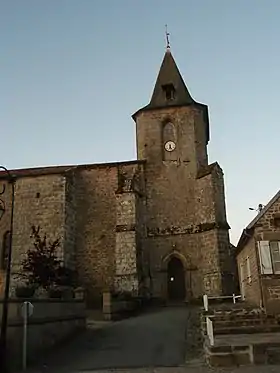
(275, 256)
(169, 91)
(249, 276)
(277, 222)
(242, 281)
(269, 253)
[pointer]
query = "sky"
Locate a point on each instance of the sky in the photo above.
(72, 72)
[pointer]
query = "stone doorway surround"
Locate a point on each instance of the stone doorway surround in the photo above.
(175, 268)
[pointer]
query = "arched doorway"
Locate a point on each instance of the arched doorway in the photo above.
(176, 279)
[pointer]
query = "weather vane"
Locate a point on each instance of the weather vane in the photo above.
(167, 37)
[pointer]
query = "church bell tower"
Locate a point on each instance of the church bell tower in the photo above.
(173, 127)
(185, 203)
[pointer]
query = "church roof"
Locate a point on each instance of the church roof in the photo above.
(170, 74)
(54, 170)
(169, 77)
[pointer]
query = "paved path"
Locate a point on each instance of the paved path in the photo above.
(155, 342)
(150, 340)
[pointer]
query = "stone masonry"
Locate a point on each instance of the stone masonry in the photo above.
(260, 288)
(122, 224)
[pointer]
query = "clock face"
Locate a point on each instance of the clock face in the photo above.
(170, 146)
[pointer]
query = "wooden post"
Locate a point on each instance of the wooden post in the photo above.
(205, 302)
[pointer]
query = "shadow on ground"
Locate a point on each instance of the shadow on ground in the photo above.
(153, 339)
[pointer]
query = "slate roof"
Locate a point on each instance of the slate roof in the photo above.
(52, 170)
(170, 74)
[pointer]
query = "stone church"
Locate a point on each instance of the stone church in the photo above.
(156, 225)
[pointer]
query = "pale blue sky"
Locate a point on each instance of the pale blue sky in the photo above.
(73, 71)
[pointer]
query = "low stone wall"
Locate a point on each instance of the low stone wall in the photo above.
(248, 354)
(271, 294)
(240, 321)
(53, 320)
(242, 336)
(115, 309)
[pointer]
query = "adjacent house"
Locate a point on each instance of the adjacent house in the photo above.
(258, 258)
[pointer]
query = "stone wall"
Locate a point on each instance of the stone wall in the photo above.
(214, 241)
(115, 308)
(70, 224)
(265, 287)
(185, 215)
(211, 210)
(106, 226)
(96, 222)
(79, 206)
(126, 276)
(4, 228)
(268, 229)
(129, 230)
(52, 321)
(211, 270)
(266, 223)
(250, 288)
(271, 294)
(39, 201)
(143, 258)
(242, 335)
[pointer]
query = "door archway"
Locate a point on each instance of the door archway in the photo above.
(176, 280)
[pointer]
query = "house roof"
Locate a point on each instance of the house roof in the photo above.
(52, 170)
(264, 210)
(246, 234)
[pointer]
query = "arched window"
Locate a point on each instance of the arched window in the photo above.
(5, 250)
(169, 142)
(169, 132)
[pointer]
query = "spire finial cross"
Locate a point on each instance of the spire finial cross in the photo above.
(167, 37)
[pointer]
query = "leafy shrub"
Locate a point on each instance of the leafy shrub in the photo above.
(41, 267)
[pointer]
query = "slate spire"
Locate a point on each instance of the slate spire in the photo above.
(170, 89)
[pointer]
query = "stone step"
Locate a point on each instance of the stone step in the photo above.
(252, 352)
(239, 329)
(247, 329)
(226, 314)
(244, 322)
(217, 318)
(236, 311)
(241, 322)
(235, 314)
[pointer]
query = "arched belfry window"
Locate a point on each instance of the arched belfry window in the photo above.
(169, 141)
(5, 250)
(169, 92)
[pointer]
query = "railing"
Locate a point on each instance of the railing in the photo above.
(210, 332)
(206, 299)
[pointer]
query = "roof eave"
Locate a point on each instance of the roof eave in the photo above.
(246, 235)
(62, 170)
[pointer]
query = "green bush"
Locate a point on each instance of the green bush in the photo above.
(42, 268)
